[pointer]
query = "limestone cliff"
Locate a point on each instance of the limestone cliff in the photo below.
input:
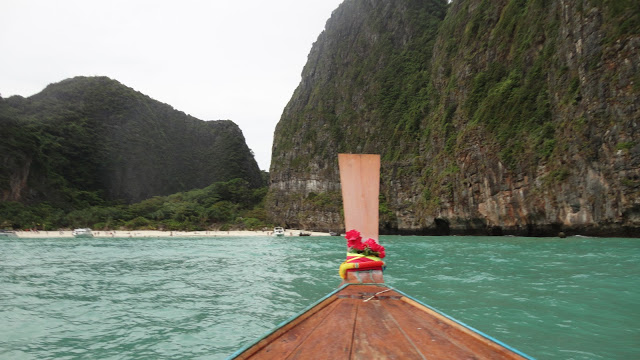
(499, 117)
(87, 140)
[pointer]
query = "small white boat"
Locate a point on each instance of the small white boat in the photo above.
(278, 231)
(82, 233)
(8, 234)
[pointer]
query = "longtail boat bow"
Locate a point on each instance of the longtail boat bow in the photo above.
(364, 318)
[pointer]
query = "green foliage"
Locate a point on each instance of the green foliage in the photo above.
(404, 97)
(387, 217)
(493, 77)
(625, 145)
(481, 85)
(209, 208)
(514, 107)
(140, 223)
(252, 224)
(221, 212)
(380, 78)
(509, 97)
(622, 17)
(557, 176)
(111, 216)
(90, 141)
(321, 200)
(573, 92)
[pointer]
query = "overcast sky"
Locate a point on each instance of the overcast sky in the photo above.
(212, 59)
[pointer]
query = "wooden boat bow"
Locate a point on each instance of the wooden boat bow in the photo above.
(364, 318)
(374, 321)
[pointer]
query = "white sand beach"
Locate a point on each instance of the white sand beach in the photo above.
(157, 233)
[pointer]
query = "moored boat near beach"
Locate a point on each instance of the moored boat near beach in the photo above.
(364, 318)
(278, 231)
(8, 234)
(82, 233)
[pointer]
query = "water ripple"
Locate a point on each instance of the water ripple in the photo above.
(204, 298)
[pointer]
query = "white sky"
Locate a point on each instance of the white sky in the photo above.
(212, 59)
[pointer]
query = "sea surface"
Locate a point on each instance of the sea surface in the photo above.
(203, 298)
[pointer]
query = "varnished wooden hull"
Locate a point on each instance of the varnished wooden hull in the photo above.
(364, 318)
(374, 321)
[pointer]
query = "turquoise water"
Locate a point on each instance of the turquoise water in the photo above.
(575, 298)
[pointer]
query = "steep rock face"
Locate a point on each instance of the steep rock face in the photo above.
(350, 85)
(515, 117)
(87, 136)
(557, 76)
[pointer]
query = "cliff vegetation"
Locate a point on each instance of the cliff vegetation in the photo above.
(92, 142)
(492, 117)
(220, 206)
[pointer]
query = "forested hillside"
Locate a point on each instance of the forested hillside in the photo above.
(92, 141)
(492, 117)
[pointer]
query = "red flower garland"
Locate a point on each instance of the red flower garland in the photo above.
(368, 248)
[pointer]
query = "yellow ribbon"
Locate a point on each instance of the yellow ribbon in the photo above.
(348, 264)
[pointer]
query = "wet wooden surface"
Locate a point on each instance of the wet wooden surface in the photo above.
(372, 321)
(366, 319)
